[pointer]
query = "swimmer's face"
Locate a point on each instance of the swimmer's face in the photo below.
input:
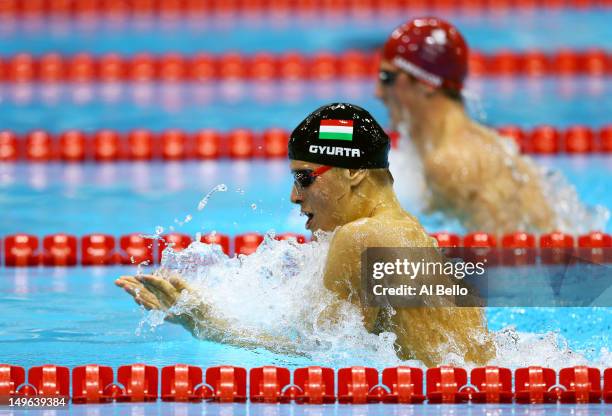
(322, 201)
(401, 95)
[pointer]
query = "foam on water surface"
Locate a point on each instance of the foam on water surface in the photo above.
(278, 293)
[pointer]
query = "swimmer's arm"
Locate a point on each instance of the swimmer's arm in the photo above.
(158, 293)
(342, 276)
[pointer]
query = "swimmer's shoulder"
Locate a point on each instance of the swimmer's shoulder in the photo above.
(381, 232)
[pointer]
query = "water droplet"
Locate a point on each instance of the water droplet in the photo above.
(159, 229)
(219, 188)
(253, 207)
(188, 218)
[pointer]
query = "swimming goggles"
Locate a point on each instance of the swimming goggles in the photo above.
(387, 78)
(306, 177)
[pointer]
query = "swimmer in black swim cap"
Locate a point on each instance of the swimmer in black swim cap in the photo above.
(342, 183)
(342, 136)
(339, 162)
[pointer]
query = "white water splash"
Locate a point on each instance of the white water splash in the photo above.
(278, 292)
(204, 201)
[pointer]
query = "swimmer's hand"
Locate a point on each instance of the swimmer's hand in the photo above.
(157, 293)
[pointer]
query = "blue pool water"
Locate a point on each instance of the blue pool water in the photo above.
(122, 198)
(524, 102)
(518, 30)
(137, 197)
(76, 315)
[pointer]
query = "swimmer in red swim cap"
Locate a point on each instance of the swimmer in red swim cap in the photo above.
(338, 158)
(472, 173)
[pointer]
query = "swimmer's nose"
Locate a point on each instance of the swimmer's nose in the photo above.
(296, 198)
(379, 91)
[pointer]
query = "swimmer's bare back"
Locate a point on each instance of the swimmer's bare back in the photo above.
(478, 178)
(427, 334)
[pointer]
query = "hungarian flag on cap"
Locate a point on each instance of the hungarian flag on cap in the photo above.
(336, 130)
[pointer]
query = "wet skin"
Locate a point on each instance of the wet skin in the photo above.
(364, 212)
(472, 173)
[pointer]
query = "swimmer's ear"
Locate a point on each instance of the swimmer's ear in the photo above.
(355, 176)
(427, 90)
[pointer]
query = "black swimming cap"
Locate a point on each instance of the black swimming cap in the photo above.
(341, 135)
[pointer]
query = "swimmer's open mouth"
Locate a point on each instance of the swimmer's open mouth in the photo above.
(309, 215)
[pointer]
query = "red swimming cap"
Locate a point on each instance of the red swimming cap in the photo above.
(431, 50)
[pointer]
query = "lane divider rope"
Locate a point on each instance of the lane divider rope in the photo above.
(108, 145)
(54, 68)
(121, 8)
(309, 385)
(513, 249)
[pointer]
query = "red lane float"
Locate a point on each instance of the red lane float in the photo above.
(241, 144)
(444, 384)
(39, 146)
(140, 144)
(89, 383)
(59, 250)
(480, 247)
(139, 383)
(11, 377)
(405, 385)
(556, 248)
(107, 146)
(97, 250)
(8, 146)
(544, 140)
(54, 68)
(207, 144)
(582, 385)
(180, 383)
(595, 247)
(73, 146)
(579, 140)
(315, 385)
(518, 249)
(355, 383)
(607, 390)
(275, 143)
(176, 145)
(267, 384)
(493, 385)
(228, 383)
(532, 385)
(21, 250)
(49, 380)
(605, 139)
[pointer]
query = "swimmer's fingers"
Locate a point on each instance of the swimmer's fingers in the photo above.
(123, 280)
(164, 291)
(133, 288)
(179, 283)
(148, 301)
